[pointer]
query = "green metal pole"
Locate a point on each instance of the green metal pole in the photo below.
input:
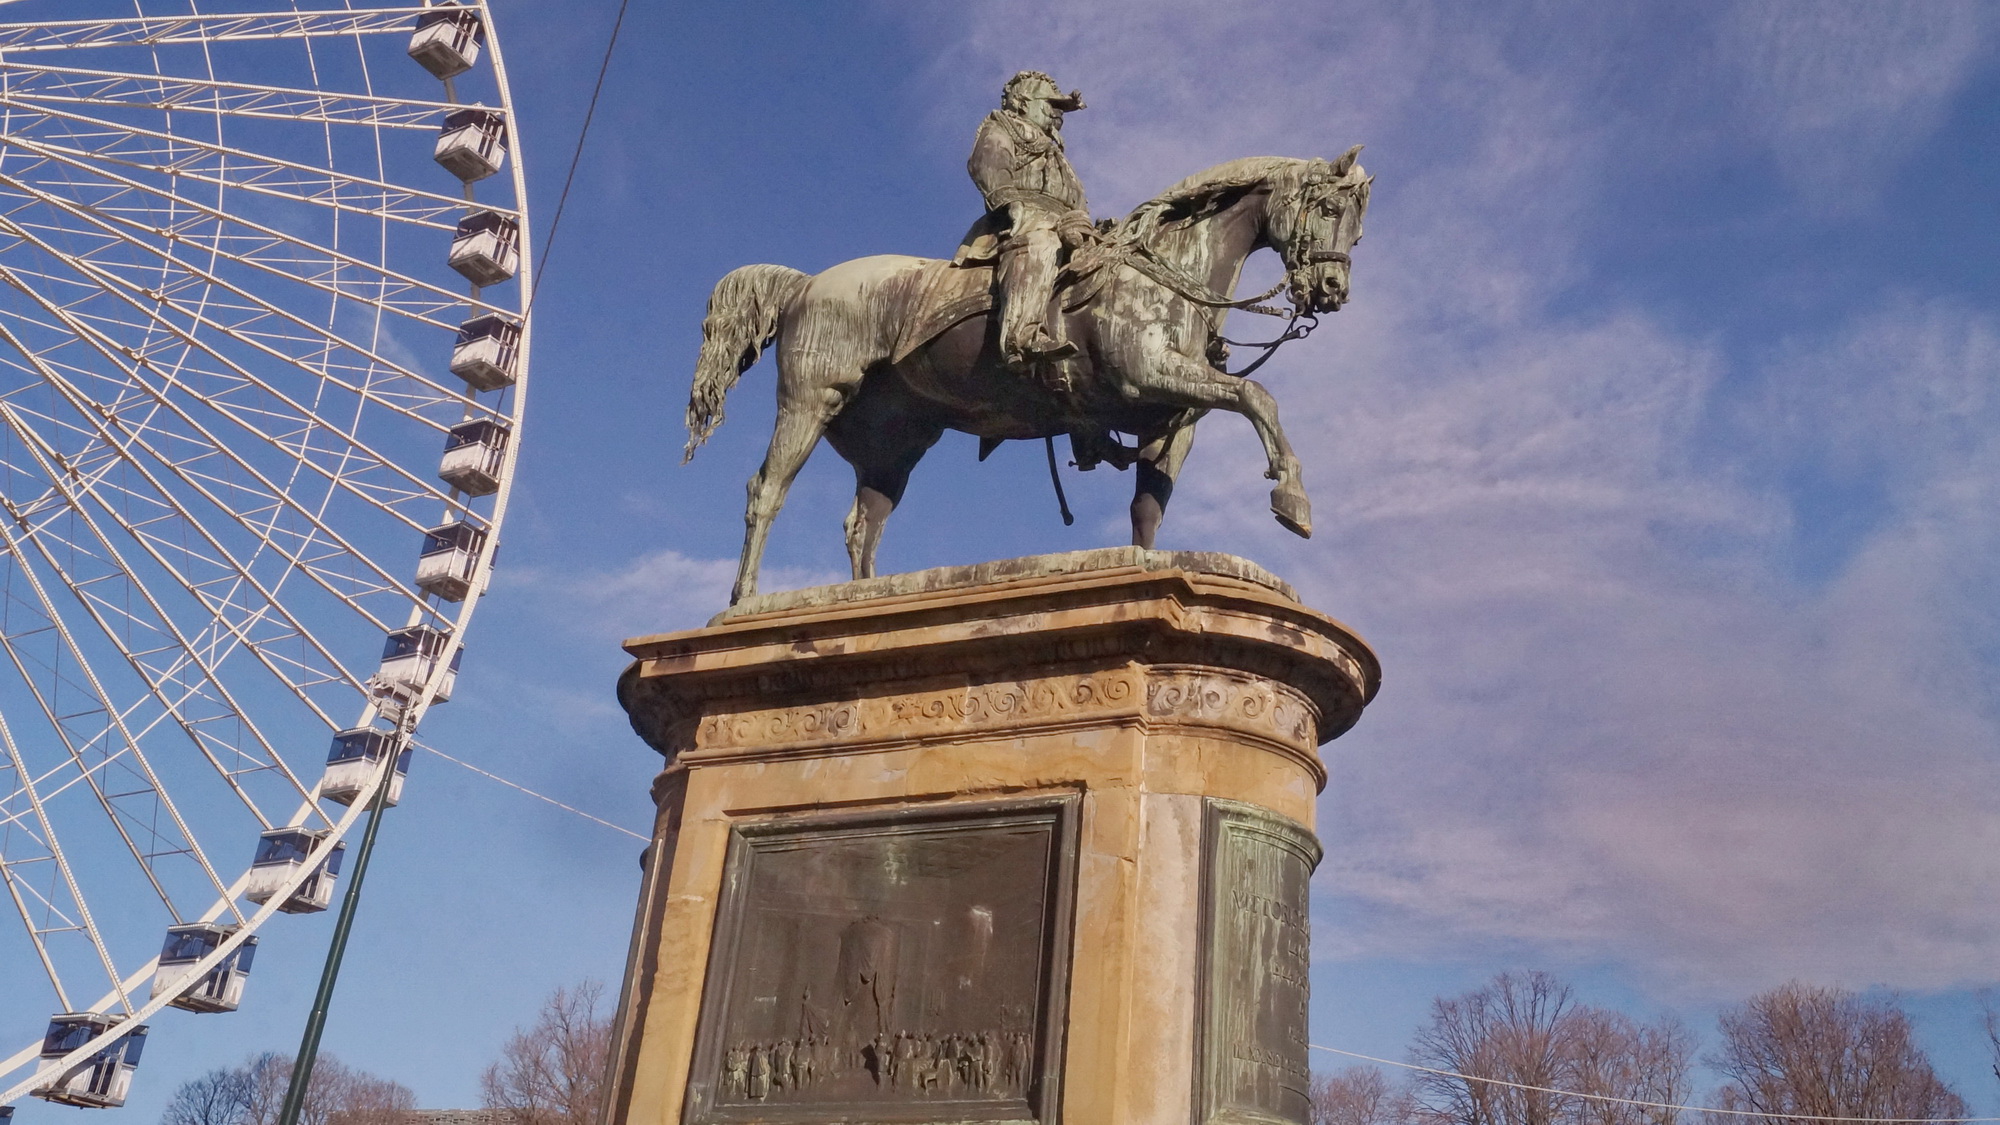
(302, 1066)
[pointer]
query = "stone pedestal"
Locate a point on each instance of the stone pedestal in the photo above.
(1025, 841)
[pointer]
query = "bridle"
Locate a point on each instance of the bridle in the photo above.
(1300, 251)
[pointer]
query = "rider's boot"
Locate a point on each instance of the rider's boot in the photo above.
(1028, 267)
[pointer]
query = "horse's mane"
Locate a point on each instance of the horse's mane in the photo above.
(1243, 172)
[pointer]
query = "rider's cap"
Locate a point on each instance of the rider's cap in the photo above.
(1035, 84)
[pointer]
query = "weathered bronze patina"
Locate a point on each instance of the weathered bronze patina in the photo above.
(890, 967)
(881, 355)
(1252, 1066)
(1035, 204)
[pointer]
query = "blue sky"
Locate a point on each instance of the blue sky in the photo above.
(1658, 455)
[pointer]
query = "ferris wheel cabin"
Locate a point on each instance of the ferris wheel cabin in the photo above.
(280, 853)
(472, 145)
(409, 658)
(355, 761)
(487, 352)
(474, 453)
(451, 552)
(486, 248)
(102, 1080)
(218, 990)
(447, 41)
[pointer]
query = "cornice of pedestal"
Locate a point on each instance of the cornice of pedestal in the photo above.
(1152, 639)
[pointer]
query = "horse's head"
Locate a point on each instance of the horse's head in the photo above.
(1313, 223)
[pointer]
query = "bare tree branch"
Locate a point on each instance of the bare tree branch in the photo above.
(1358, 1095)
(1529, 1029)
(1826, 1052)
(553, 1073)
(252, 1093)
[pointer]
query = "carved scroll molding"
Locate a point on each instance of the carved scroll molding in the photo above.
(1244, 704)
(979, 706)
(1158, 696)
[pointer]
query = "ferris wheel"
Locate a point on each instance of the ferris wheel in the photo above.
(263, 351)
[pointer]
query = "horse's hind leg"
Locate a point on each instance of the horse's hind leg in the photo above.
(802, 418)
(883, 443)
(1158, 467)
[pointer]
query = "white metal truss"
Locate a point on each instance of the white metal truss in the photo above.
(225, 324)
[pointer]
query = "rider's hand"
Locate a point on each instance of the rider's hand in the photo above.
(1076, 229)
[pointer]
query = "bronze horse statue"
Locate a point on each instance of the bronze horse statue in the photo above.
(881, 355)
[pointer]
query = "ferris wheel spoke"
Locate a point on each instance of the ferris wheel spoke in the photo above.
(30, 84)
(315, 363)
(114, 724)
(199, 30)
(17, 890)
(234, 575)
(187, 159)
(207, 446)
(259, 519)
(257, 242)
(167, 681)
(53, 844)
(202, 283)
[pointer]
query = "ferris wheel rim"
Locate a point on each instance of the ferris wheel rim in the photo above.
(456, 621)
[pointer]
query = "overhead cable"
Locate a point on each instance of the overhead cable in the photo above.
(530, 792)
(576, 156)
(1660, 1105)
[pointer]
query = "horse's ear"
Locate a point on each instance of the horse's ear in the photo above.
(1345, 164)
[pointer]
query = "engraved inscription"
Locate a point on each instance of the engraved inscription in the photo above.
(1257, 936)
(892, 968)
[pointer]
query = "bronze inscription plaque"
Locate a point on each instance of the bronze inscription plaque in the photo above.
(1251, 1063)
(900, 967)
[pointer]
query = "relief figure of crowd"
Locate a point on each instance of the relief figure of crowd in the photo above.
(962, 1064)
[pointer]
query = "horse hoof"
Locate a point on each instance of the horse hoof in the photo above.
(1294, 511)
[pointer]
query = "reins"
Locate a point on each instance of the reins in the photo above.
(1138, 254)
(1141, 257)
(1293, 331)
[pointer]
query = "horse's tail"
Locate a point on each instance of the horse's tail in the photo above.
(742, 321)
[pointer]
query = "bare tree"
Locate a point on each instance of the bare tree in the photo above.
(267, 1075)
(215, 1098)
(1826, 1052)
(1612, 1056)
(355, 1097)
(253, 1093)
(1357, 1095)
(553, 1073)
(1527, 1037)
(1510, 1030)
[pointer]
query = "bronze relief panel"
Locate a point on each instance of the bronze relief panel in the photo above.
(900, 967)
(1251, 1060)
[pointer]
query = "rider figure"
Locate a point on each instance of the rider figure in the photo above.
(1018, 163)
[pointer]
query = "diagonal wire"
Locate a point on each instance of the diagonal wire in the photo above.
(529, 792)
(603, 68)
(1658, 1105)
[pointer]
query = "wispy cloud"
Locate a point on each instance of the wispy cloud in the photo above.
(1835, 87)
(659, 592)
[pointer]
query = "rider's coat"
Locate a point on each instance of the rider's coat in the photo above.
(1016, 161)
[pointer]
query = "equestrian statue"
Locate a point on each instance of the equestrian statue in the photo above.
(1043, 324)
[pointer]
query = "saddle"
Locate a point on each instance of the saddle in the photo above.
(951, 292)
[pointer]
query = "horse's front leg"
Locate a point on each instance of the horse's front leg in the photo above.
(1163, 373)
